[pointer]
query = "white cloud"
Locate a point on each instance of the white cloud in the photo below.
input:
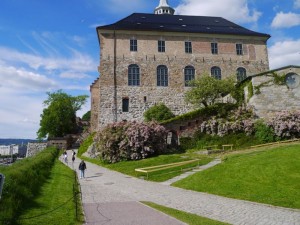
(284, 53)
(297, 4)
(236, 10)
(286, 20)
(73, 74)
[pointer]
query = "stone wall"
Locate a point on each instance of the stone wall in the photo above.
(34, 148)
(254, 60)
(273, 98)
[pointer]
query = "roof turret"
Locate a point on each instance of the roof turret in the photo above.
(164, 8)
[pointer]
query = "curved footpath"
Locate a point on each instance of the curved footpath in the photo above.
(112, 198)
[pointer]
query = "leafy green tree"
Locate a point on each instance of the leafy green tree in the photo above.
(59, 118)
(206, 90)
(158, 113)
(87, 116)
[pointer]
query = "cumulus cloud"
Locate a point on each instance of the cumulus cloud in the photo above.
(286, 20)
(284, 53)
(236, 10)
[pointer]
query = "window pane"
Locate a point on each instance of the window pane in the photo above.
(162, 76)
(216, 73)
(214, 48)
(241, 74)
(133, 75)
(188, 47)
(125, 105)
(133, 45)
(161, 46)
(189, 74)
(239, 49)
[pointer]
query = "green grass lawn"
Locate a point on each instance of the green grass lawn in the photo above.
(188, 218)
(54, 203)
(128, 167)
(271, 177)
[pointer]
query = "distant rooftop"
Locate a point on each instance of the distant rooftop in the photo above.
(178, 23)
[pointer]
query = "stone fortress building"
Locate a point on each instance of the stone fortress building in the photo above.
(146, 59)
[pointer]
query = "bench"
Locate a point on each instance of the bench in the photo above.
(149, 169)
(228, 145)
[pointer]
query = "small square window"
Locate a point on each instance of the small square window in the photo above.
(239, 49)
(161, 46)
(133, 45)
(188, 47)
(214, 48)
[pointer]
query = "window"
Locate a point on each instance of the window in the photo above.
(125, 105)
(161, 46)
(133, 45)
(188, 47)
(216, 72)
(214, 48)
(133, 75)
(239, 49)
(162, 76)
(189, 74)
(241, 74)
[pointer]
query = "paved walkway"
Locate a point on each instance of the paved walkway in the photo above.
(104, 191)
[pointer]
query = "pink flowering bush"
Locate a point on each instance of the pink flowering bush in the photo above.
(130, 141)
(286, 124)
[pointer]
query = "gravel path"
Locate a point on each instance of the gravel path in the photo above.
(105, 186)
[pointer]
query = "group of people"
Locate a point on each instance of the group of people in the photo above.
(82, 165)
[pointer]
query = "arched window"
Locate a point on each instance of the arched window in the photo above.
(162, 76)
(216, 72)
(133, 75)
(189, 74)
(241, 74)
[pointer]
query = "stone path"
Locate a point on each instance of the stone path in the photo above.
(103, 186)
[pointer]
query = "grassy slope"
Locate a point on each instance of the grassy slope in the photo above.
(188, 218)
(270, 177)
(57, 191)
(127, 167)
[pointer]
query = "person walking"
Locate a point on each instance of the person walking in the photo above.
(82, 168)
(66, 157)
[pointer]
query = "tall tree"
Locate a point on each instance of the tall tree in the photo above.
(206, 90)
(59, 118)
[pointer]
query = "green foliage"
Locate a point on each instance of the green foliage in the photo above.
(263, 132)
(270, 177)
(59, 118)
(23, 181)
(279, 79)
(250, 90)
(87, 116)
(86, 144)
(158, 113)
(218, 109)
(206, 90)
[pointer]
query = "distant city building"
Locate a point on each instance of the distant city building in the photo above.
(146, 59)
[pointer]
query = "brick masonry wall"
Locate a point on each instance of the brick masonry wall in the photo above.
(34, 148)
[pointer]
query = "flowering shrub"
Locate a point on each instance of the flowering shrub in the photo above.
(240, 120)
(130, 141)
(286, 124)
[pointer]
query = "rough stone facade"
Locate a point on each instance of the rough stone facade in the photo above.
(108, 93)
(273, 98)
(34, 148)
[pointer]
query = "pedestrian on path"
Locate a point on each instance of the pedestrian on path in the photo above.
(65, 157)
(82, 168)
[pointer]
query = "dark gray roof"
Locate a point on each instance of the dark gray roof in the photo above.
(177, 23)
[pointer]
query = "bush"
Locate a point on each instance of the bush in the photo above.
(130, 141)
(23, 181)
(85, 144)
(158, 113)
(263, 132)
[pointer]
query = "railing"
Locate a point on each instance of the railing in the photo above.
(150, 169)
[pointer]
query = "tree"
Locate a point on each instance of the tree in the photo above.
(158, 113)
(206, 90)
(87, 116)
(59, 118)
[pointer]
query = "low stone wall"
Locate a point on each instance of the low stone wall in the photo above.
(34, 148)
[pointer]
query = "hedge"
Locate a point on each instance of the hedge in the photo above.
(23, 180)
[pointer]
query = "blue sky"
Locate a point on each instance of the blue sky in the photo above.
(47, 45)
